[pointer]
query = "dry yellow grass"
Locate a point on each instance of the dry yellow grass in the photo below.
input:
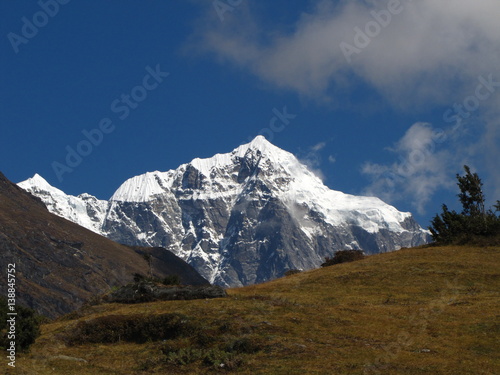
(415, 311)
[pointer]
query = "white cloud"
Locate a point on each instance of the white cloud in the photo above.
(423, 167)
(433, 47)
(428, 160)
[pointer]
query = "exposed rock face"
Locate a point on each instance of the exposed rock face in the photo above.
(248, 216)
(146, 291)
(60, 264)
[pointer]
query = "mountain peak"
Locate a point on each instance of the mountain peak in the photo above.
(144, 187)
(39, 179)
(260, 143)
(85, 210)
(39, 183)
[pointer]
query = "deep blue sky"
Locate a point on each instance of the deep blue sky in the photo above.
(65, 78)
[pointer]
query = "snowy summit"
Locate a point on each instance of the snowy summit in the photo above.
(241, 217)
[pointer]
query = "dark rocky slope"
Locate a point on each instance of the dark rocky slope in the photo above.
(60, 264)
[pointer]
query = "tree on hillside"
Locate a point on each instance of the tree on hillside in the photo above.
(473, 221)
(471, 193)
(497, 206)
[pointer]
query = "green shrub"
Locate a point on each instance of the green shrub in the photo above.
(138, 277)
(94, 300)
(167, 280)
(343, 256)
(27, 327)
(213, 357)
(171, 280)
(131, 328)
(215, 346)
(185, 356)
(243, 345)
(292, 272)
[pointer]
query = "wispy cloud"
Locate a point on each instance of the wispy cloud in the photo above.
(319, 146)
(313, 159)
(427, 160)
(421, 168)
(434, 47)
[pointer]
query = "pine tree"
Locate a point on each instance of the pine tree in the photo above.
(473, 221)
(497, 206)
(471, 193)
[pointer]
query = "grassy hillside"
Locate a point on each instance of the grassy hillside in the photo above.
(415, 311)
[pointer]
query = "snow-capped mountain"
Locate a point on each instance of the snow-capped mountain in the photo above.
(239, 218)
(85, 210)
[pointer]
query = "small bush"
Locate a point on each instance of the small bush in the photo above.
(292, 272)
(168, 280)
(343, 256)
(138, 277)
(214, 346)
(217, 358)
(213, 357)
(131, 328)
(27, 327)
(243, 345)
(171, 280)
(184, 356)
(94, 300)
